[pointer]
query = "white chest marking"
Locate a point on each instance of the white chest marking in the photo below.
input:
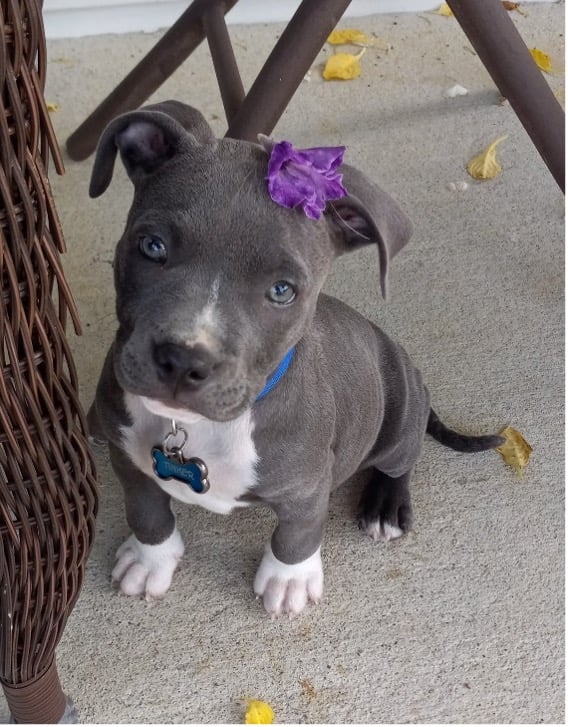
(226, 448)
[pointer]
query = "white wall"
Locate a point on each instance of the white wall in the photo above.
(75, 18)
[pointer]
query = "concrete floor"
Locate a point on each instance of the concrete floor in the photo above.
(462, 621)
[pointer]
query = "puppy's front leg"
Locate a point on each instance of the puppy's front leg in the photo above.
(146, 561)
(290, 573)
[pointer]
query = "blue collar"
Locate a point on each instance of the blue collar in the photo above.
(278, 374)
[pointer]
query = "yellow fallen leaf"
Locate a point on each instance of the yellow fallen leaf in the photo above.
(516, 451)
(485, 165)
(348, 35)
(259, 713)
(541, 59)
(52, 106)
(513, 6)
(351, 36)
(444, 10)
(343, 66)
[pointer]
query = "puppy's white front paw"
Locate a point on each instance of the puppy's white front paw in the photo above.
(147, 570)
(287, 588)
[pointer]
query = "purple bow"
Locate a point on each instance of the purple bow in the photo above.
(305, 177)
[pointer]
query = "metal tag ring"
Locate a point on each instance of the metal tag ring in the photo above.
(170, 448)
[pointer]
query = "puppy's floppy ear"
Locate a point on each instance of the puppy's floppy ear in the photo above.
(191, 119)
(367, 215)
(147, 138)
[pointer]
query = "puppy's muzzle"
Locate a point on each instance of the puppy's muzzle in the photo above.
(183, 367)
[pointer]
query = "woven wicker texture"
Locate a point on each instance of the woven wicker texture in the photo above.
(47, 485)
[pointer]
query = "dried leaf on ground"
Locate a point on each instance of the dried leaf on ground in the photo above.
(516, 451)
(349, 35)
(513, 6)
(343, 66)
(541, 59)
(352, 36)
(259, 713)
(444, 10)
(485, 165)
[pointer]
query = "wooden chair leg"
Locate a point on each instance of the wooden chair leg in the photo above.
(224, 61)
(503, 52)
(285, 68)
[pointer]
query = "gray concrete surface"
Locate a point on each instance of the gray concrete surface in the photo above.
(463, 620)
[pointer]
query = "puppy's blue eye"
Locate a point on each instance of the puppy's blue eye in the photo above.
(153, 248)
(281, 292)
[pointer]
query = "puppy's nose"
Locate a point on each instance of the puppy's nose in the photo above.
(187, 365)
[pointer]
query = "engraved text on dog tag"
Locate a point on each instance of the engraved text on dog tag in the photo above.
(173, 466)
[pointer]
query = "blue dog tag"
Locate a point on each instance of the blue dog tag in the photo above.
(192, 472)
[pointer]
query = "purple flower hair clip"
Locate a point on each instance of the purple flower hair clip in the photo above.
(305, 178)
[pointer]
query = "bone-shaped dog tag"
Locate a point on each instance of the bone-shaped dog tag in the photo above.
(173, 466)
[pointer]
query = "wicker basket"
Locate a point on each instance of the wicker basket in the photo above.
(47, 483)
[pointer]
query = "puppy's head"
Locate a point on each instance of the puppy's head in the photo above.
(215, 282)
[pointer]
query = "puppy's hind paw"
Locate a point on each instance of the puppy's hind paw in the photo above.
(286, 589)
(147, 570)
(381, 530)
(385, 512)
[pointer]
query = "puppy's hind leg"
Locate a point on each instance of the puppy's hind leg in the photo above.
(385, 512)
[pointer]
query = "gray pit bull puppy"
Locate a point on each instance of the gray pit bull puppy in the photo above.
(278, 393)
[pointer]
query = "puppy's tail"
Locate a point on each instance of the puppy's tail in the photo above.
(460, 442)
